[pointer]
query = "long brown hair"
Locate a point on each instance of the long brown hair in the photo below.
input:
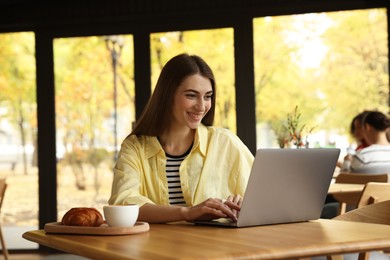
(157, 115)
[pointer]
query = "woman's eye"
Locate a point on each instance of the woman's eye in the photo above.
(191, 95)
(208, 97)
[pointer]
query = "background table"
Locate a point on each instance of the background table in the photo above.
(187, 241)
(337, 188)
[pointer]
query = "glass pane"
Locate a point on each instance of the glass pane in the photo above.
(18, 134)
(220, 58)
(94, 113)
(330, 66)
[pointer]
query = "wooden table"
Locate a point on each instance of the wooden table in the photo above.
(188, 241)
(347, 193)
(337, 188)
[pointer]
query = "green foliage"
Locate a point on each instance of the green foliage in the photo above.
(75, 157)
(17, 77)
(355, 71)
(96, 156)
(17, 87)
(93, 156)
(85, 92)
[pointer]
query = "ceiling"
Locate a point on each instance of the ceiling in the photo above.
(154, 15)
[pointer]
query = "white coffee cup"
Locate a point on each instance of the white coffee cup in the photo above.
(121, 215)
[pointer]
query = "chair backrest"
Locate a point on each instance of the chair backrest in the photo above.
(374, 192)
(377, 213)
(3, 187)
(352, 198)
(361, 178)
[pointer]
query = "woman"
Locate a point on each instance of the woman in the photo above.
(174, 164)
(375, 158)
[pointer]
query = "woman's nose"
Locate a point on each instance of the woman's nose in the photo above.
(200, 104)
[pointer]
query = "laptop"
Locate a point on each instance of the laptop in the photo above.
(285, 186)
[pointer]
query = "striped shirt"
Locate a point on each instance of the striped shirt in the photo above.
(372, 159)
(173, 176)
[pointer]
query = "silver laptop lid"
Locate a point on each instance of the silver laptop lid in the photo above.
(287, 185)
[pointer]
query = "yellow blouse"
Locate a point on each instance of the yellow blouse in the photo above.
(218, 165)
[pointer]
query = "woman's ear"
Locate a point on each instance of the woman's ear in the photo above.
(366, 127)
(369, 127)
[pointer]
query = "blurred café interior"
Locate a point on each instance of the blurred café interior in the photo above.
(76, 73)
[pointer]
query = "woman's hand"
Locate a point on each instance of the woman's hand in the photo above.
(234, 203)
(213, 209)
(348, 157)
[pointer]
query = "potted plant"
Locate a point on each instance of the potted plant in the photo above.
(291, 131)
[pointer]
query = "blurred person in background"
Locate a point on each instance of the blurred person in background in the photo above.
(372, 156)
(356, 130)
(375, 158)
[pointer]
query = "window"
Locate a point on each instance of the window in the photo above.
(94, 113)
(330, 65)
(18, 136)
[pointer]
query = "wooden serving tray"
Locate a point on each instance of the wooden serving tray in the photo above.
(103, 230)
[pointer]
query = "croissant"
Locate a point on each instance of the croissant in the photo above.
(88, 217)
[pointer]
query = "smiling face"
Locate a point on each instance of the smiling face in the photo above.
(192, 101)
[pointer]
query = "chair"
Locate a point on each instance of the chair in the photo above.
(376, 213)
(352, 198)
(361, 178)
(372, 207)
(374, 192)
(3, 187)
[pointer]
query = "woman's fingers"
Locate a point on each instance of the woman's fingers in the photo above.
(217, 208)
(220, 208)
(234, 203)
(237, 200)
